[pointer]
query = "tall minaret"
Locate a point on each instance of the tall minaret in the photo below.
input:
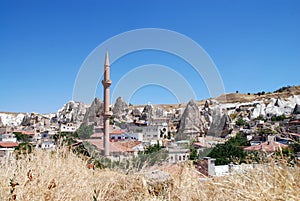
(106, 82)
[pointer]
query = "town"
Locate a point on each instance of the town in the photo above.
(192, 131)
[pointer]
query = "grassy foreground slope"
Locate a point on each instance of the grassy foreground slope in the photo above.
(64, 176)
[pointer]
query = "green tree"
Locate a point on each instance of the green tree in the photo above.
(85, 131)
(231, 151)
(65, 138)
(152, 148)
(295, 147)
(260, 117)
(278, 118)
(21, 137)
(241, 122)
(193, 153)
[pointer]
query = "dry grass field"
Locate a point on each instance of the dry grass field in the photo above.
(62, 175)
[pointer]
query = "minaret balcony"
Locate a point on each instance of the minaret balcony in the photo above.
(106, 83)
(107, 113)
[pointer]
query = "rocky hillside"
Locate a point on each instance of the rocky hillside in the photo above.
(205, 115)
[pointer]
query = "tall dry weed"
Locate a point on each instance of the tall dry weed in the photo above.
(62, 175)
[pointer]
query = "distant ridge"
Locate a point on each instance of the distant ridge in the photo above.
(283, 93)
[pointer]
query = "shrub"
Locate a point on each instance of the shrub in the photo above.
(278, 118)
(241, 122)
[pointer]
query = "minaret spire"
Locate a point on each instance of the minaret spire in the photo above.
(106, 59)
(106, 82)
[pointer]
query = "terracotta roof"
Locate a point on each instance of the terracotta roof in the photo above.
(128, 144)
(117, 132)
(8, 144)
(28, 132)
(266, 146)
(114, 146)
(295, 122)
(142, 123)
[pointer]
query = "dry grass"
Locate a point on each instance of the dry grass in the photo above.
(239, 97)
(64, 176)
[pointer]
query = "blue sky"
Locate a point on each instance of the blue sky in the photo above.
(254, 44)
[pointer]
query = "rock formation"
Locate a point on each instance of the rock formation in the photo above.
(278, 102)
(296, 109)
(159, 112)
(1, 123)
(36, 121)
(26, 121)
(220, 123)
(93, 115)
(191, 124)
(147, 113)
(120, 108)
(136, 112)
(71, 112)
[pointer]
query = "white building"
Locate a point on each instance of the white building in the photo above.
(148, 133)
(68, 127)
(8, 138)
(47, 145)
(178, 152)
